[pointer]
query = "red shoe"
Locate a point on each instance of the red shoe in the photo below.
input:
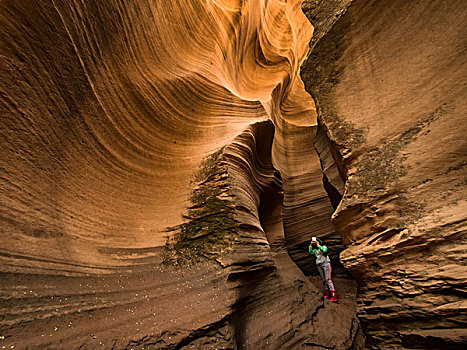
(334, 296)
(326, 294)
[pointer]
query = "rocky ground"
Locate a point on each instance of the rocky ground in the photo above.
(138, 311)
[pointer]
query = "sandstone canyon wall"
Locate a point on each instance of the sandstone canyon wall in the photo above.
(162, 171)
(107, 117)
(124, 122)
(389, 81)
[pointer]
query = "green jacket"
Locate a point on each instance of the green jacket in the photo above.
(321, 253)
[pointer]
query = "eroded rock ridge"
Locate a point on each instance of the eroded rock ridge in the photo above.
(388, 79)
(109, 110)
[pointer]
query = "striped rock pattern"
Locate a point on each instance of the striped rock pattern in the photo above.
(162, 170)
(109, 111)
(388, 79)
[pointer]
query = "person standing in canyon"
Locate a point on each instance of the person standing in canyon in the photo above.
(323, 263)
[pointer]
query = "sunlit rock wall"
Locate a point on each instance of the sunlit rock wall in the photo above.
(388, 79)
(109, 109)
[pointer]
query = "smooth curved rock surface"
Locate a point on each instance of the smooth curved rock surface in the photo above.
(388, 79)
(251, 296)
(109, 111)
(129, 129)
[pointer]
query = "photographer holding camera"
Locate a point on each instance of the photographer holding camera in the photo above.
(323, 263)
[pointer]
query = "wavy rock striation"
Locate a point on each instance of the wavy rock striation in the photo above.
(106, 121)
(247, 294)
(388, 80)
(159, 181)
(109, 110)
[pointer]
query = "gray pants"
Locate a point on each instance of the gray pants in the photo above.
(325, 272)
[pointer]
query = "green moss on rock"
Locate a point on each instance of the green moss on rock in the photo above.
(211, 223)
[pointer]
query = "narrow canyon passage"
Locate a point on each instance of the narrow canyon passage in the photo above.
(278, 305)
(164, 165)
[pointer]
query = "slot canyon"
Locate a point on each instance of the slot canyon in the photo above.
(165, 164)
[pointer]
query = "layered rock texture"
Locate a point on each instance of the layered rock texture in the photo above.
(163, 170)
(158, 173)
(389, 81)
(224, 281)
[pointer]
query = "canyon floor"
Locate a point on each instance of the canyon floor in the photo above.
(122, 311)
